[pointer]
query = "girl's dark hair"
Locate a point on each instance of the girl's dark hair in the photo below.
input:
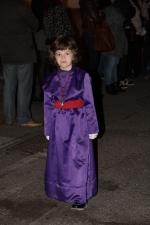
(64, 42)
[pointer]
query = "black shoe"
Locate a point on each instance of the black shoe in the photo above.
(79, 206)
(110, 90)
(36, 99)
(118, 88)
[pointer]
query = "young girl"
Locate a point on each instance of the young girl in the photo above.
(70, 124)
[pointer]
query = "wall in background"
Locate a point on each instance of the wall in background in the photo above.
(71, 3)
(66, 3)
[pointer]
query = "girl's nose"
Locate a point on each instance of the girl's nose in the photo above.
(62, 56)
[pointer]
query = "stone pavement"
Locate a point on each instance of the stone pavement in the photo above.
(123, 164)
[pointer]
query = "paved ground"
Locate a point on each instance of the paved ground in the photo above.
(123, 163)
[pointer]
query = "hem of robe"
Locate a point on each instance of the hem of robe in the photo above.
(71, 194)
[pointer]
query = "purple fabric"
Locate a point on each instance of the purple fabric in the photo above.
(70, 174)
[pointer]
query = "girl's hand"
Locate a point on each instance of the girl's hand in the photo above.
(93, 136)
(48, 137)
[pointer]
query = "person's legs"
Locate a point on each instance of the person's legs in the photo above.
(44, 68)
(123, 82)
(93, 56)
(130, 56)
(137, 61)
(9, 92)
(146, 52)
(109, 70)
(25, 81)
(100, 67)
(115, 62)
(122, 68)
(42, 63)
(115, 83)
(92, 63)
(110, 74)
(147, 70)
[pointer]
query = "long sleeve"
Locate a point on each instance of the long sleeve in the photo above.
(89, 106)
(48, 107)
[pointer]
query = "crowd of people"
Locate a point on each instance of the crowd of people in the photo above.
(43, 32)
(128, 21)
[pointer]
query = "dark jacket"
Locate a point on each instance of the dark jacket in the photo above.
(16, 24)
(89, 14)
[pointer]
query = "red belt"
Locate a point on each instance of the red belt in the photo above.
(69, 104)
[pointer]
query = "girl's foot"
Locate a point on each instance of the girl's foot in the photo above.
(79, 206)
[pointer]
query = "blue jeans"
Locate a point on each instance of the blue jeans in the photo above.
(110, 68)
(17, 92)
(93, 56)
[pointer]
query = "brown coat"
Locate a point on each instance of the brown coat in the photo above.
(16, 24)
(89, 14)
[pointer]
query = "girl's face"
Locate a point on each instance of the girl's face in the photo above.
(64, 59)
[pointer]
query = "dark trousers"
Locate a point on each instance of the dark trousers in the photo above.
(134, 61)
(121, 70)
(146, 52)
(93, 56)
(17, 87)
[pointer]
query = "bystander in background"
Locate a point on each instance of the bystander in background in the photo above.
(17, 52)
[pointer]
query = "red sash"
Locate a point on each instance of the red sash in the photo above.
(69, 104)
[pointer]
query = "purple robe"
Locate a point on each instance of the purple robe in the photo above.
(70, 174)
